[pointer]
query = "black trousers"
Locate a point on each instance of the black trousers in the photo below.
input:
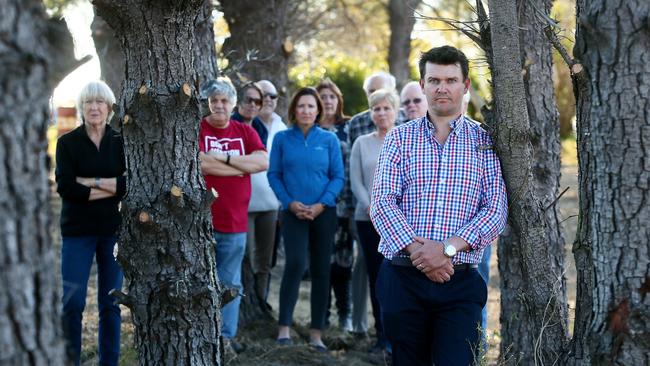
(307, 241)
(430, 323)
(369, 239)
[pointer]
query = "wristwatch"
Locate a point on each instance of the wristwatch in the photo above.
(448, 250)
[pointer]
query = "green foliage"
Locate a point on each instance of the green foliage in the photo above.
(346, 72)
(55, 7)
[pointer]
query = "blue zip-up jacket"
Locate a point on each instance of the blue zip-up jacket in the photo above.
(306, 169)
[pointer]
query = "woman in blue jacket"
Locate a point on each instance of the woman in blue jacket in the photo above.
(306, 174)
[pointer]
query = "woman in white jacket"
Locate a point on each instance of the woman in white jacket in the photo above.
(263, 206)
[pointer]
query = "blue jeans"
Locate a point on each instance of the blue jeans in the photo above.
(484, 271)
(231, 248)
(76, 260)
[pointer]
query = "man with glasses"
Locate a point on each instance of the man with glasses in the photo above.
(413, 100)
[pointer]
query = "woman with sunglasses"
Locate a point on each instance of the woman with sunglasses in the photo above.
(306, 174)
(249, 104)
(335, 120)
(263, 206)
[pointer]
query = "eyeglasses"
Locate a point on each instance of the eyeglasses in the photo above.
(249, 100)
(94, 101)
(271, 95)
(414, 101)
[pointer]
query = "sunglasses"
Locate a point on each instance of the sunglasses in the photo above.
(271, 95)
(249, 100)
(414, 101)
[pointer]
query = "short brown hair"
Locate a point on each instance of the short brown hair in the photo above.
(294, 102)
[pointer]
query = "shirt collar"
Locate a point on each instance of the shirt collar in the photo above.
(457, 125)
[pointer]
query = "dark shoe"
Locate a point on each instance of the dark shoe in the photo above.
(284, 342)
(318, 347)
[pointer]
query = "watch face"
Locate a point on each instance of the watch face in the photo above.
(450, 251)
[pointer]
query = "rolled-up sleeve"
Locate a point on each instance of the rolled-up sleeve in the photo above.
(387, 191)
(492, 215)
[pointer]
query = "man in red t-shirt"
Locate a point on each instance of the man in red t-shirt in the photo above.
(229, 152)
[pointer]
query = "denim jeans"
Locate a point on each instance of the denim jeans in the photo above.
(231, 248)
(484, 271)
(76, 260)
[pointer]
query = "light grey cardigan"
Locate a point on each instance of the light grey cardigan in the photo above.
(363, 161)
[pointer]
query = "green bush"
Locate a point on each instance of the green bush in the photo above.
(347, 73)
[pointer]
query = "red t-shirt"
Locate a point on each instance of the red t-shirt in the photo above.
(230, 209)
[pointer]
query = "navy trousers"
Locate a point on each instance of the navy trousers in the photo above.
(428, 323)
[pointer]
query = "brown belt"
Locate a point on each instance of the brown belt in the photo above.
(406, 262)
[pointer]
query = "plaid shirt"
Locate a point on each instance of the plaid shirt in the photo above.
(423, 188)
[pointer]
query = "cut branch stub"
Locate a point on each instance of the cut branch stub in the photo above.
(184, 95)
(209, 197)
(142, 90)
(144, 217)
(176, 194)
(126, 120)
(122, 298)
(576, 69)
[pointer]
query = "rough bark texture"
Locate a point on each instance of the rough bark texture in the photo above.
(35, 53)
(256, 50)
(111, 57)
(166, 246)
(612, 324)
(401, 20)
(519, 338)
(534, 317)
(258, 47)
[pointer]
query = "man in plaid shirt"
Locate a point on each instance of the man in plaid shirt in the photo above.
(438, 199)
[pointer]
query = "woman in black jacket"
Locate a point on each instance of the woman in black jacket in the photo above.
(90, 178)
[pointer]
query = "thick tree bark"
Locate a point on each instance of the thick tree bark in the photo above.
(534, 318)
(401, 20)
(258, 47)
(518, 336)
(35, 53)
(111, 57)
(612, 249)
(166, 246)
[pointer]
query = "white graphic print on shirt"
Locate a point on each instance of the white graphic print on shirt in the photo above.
(229, 146)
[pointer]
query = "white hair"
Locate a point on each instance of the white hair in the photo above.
(221, 85)
(388, 78)
(96, 90)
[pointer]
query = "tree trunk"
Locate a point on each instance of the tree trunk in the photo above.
(518, 336)
(258, 47)
(401, 20)
(166, 246)
(612, 325)
(109, 52)
(35, 53)
(111, 57)
(534, 314)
